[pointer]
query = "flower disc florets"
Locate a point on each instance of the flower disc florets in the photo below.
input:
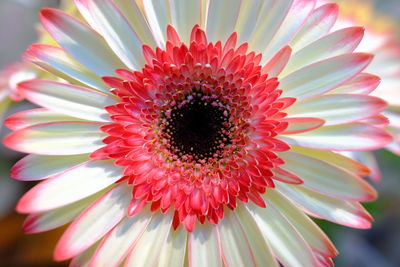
(195, 128)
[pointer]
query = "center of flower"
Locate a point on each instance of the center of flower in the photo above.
(197, 128)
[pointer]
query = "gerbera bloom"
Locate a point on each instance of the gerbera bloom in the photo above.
(190, 133)
(379, 39)
(23, 70)
(10, 76)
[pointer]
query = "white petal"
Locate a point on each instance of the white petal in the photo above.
(352, 136)
(117, 31)
(325, 178)
(247, 19)
(349, 213)
(94, 222)
(336, 159)
(82, 42)
(286, 243)
(159, 17)
(27, 118)
(137, 20)
(308, 229)
(37, 167)
(234, 242)
(70, 186)
(221, 19)
(270, 18)
(72, 100)
(56, 58)
(323, 76)
(185, 15)
(260, 248)
(147, 250)
(338, 108)
(362, 83)
(203, 246)
(334, 44)
(61, 138)
(174, 251)
(317, 25)
(117, 244)
(295, 18)
(41, 222)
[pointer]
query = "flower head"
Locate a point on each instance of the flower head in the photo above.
(194, 128)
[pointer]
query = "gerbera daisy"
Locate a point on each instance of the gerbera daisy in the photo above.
(23, 70)
(379, 39)
(190, 133)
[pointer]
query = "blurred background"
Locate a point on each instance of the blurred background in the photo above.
(379, 246)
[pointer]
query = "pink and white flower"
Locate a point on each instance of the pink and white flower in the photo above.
(197, 132)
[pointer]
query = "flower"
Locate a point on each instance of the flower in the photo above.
(191, 133)
(24, 70)
(379, 39)
(10, 76)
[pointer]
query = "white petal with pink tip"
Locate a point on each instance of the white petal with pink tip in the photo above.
(69, 186)
(94, 222)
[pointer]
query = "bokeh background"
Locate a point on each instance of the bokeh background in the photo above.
(377, 247)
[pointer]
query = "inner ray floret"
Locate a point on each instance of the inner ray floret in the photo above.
(196, 129)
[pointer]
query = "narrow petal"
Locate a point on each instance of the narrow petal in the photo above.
(259, 246)
(41, 222)
(72, 100)
(174, 250)
(334, 44)
(325, 178)
(38, 167)
(275, 66)
(203, 246)
(150, 244)
(82, 42)
(353, 137)
(116, 30)
(310, 231)
(294, 20)
(270, 18)
(247, 19)
(70, 186)
(58, 138)
(286, 243)
(323, 76)
(27, 118)
(337, 159)
(58, 59)
(362, 83)
(221, 19)
(302, 124)
(348, 213)
(131, 9)
(117, 244)
(159, 17)
(94, 222)
(185, 15)
(235, 245)
(317, 25)
(338, 108)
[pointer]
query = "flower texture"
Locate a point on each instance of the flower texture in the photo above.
(197, 133)
(379, 39)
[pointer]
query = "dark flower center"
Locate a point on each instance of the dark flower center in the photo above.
(198, 127)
